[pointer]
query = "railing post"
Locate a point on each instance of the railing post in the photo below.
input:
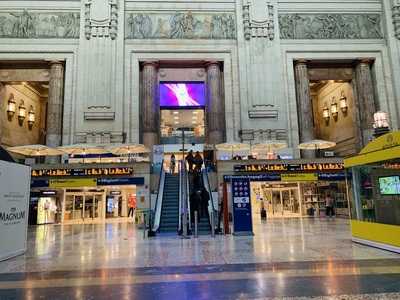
(144, 225)
(195, 224)
(212, 224)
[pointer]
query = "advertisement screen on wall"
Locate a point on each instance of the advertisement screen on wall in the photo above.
(182, 94)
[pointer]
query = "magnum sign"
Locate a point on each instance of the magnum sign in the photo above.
(310, 167)
(82, 172)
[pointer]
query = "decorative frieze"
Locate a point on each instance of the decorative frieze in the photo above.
(101, 19)
(30, 25)
(180, 25)
(396, 18)
(258, 28)
(330, 26)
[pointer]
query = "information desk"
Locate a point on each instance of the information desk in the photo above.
(375, 205)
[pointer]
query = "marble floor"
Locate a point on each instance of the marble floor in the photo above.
(293, 258)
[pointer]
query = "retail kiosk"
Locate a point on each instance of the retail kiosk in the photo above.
(375, 186)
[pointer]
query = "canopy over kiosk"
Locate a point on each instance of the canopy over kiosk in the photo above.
(375, 205)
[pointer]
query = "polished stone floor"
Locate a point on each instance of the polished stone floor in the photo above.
(285, 259)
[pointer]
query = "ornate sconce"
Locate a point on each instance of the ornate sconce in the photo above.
(11, 107)
(325, 114)
(31, 117)
(343, 102)
(334, 109)
(21, 113)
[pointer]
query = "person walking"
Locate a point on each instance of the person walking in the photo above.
(329, 203)
(172, 164)
(132, 204)
(190, 160)
(198, 161)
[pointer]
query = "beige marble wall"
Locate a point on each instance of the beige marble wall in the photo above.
(13, 134)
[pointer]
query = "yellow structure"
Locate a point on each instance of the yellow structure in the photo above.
(375, 206)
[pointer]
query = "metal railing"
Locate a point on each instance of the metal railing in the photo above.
(211, 207)
(184, 203)
(158, 206)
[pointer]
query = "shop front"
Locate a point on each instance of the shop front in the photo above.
(375, 209)
(289, 188)
(87, 193)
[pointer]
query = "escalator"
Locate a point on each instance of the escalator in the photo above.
(169, 217)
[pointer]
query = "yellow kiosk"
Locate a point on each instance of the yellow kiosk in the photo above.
(375, 190)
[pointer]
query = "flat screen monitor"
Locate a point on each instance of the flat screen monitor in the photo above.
(389, 185)
(182, 94)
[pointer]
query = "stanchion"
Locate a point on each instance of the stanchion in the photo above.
(195, 224)
(212, 223)
(144, 225)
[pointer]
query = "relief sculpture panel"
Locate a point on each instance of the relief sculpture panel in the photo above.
(180, 25)
(330, 26)
(27, 24)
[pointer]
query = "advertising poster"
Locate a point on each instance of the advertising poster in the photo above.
(158, 157)
(242, 218)
(14, 200)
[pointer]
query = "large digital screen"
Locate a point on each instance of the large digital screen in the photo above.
(389, 185)
(182, 94)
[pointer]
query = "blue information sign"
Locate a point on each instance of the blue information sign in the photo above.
(242, 219)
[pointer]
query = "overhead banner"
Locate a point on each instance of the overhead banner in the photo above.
(242, 218)
(14, 201)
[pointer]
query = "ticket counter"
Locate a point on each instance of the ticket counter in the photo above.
(375, 205)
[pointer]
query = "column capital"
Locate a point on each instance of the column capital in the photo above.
(55, 62)
(211, 63)
(300, 62)
(154, 63)
(365, 61)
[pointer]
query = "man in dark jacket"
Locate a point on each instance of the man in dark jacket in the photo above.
(205, 197)
(195, 202)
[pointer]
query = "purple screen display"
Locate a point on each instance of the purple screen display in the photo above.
(182, 94)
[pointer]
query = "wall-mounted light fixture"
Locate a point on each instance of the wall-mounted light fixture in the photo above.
(11, 107)
(334, 109)
(325, 114)
(21, 113)
(31, 117)
(343, 102)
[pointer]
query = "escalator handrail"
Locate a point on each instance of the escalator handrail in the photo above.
(206, 184)
(180, 195)
(158, 206)
(188, 197)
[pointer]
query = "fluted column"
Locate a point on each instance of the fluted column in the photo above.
(55, 104)
(215, 109)
(365, 99)
(304, 106)
(150, 105)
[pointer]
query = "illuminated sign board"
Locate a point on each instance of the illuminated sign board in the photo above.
(307, 167)
(83, 172)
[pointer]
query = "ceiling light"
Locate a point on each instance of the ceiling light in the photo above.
(176, 112)
(195, 112)
(176, 118)
(176, 122)
(194, 122)
(194, 118)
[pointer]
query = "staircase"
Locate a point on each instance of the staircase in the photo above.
(170, 204)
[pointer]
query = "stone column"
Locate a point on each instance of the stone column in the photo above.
(304, 107)
(365, 99)
(150, 105)
(215, 108)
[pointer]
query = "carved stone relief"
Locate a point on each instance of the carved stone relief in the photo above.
(258, 26)
(330, 26)
(180, 25)
(101, 18)
(30, 25)
(396, 18)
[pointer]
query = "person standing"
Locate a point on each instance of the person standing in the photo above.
(329, 203)
(205, 197)
(198, 161)
(195, 202)
(172, 164)
(132, 204)
(190, 160)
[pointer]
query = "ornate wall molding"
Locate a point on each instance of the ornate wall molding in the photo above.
(30, 25)
(396, 18)
(180, 25)
(258, 28)
(330, 26)
(101, 19)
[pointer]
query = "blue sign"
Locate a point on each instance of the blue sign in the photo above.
(121, 181)
(242, 219)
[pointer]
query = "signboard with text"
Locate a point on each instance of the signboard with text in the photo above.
(286, 167)
(242, 218)
(14, 201)
(115, 171)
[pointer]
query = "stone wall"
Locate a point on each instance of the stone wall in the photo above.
(12, 133)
